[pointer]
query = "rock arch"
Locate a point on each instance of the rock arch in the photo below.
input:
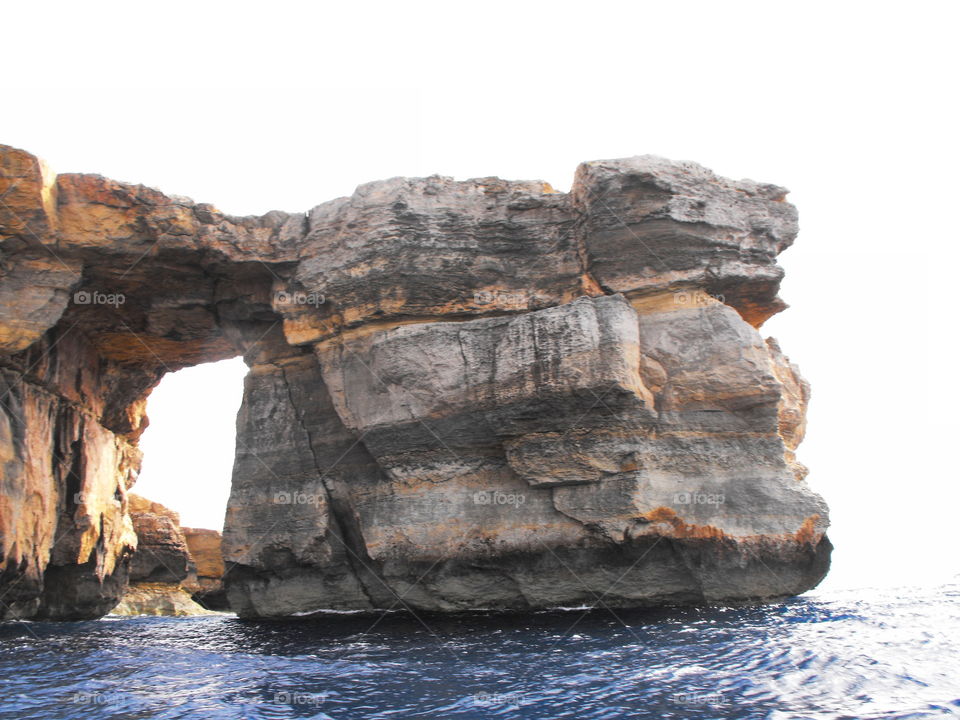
(460, 395)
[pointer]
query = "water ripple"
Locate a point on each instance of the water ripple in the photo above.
(845, 655)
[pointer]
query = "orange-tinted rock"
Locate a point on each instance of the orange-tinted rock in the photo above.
(164, 572)
(205, 581)
(418, 352)
(167, 599)
(162, 554)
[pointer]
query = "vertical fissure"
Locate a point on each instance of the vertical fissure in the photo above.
(347, 525)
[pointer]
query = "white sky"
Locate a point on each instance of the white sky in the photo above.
(254, 106)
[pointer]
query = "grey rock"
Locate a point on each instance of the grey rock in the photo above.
(461, 395)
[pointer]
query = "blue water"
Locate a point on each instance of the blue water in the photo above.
(867, 654)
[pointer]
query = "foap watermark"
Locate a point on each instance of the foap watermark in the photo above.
(112, 697)
(699, 698)
(511, 698)
(696, 298)
(299, 698)
(698, 498)
(290, 298)
(97, 297)
(498, 497)
(296, 498)
(502, 298)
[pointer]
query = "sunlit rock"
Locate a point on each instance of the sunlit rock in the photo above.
(461, 394)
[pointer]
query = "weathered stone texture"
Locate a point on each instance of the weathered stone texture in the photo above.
(164, 571)
(205, 577)
(462, 394)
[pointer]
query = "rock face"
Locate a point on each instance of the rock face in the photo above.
(169, 599)
(162, 554)
(476, 394)
(163, 572)
(205, 578)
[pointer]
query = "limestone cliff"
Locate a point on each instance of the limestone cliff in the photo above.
(204, 580)
(161, 554)
(461, 394)
(162, 569)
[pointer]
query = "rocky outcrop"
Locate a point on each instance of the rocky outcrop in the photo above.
(205, 578)
(162, 554)
(169, 599)
(461, 394)
(163, 572)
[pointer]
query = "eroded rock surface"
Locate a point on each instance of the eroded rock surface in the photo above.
(205, 577)
(168, 599)
(462, 394)
(164, 572)
(161, 554)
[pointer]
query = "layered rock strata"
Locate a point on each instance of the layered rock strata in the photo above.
(205, 577)
(462, 394)
(162, 570)
(162, 554)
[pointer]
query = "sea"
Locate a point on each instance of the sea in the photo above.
(891, 653)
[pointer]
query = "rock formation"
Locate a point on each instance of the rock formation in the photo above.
(476, 394)
(165, 599)
(205, 578)
(162, 570)
(161, 554)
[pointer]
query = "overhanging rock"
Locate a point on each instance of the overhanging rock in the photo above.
(461, 395)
